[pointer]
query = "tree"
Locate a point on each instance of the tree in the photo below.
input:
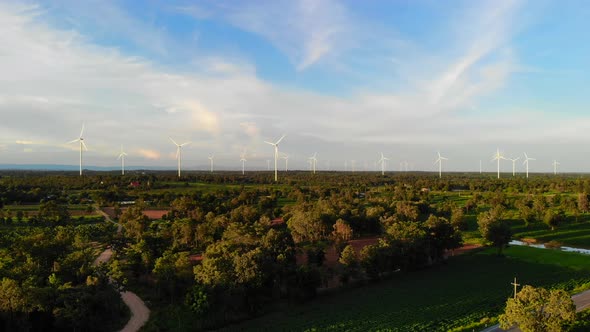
(341, 234)
(494, 229)
(538, 309)
(583, 202)
(349, 262)
(458, 218)
(53, 212)
(553, 219)
(442, 236)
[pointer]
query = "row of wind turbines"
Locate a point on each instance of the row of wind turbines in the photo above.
(497, 157)
(311, 160)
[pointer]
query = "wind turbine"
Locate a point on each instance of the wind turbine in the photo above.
(313, 159)
(555, 163)
(276, 146)
(497, 157)
(526, 162)
(179, 152)
(382, 162)
(513, 164)
(211, 162)
(82, 145)
(286, 157)
(243, 160)
(439, 161)
(122, 157)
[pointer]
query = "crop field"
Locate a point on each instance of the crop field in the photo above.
(468, 289)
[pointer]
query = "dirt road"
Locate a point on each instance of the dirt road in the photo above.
(139, 311)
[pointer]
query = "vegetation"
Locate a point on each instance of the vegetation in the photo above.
(538, 309)
(231, 248)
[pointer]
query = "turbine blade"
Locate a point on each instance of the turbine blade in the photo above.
(177, 151)
(185, 143)
(280, 139)
(84, 145)
(82, 131)
(73, 141)
(173, 141)
(267, 142)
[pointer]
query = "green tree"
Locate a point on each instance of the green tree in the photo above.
(494, 229)
(53, 212)
(583, 202)
(538, 309)
(553, 218)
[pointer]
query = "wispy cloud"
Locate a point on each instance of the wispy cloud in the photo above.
(57, 78)
(306, 31)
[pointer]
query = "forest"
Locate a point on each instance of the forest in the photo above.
(228, 250)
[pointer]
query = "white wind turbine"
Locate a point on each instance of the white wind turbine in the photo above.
(276, 146)
(498, 156)
(526, 162)
(382, 162)
(122, 157)
(179, 153)
(439, 161)
(211, 162)
(555, 164)
(513, 164)
(82, 146)
(243, 160)
(286, 157)
(313, 160)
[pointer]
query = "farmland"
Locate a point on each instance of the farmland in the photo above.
(468, 289)
(327, 252)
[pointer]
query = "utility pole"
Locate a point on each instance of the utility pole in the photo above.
(515, 285)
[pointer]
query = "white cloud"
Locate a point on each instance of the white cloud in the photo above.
(149, 154)
(306, 31)
(56, 79)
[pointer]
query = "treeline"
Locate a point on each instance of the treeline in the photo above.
(48, 283)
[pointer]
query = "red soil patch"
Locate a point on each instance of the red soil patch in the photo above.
(462, 250)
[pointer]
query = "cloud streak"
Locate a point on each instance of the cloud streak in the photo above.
(57, 78)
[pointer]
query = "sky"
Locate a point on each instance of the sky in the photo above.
(347, 80)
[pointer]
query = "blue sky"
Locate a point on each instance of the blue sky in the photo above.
(345, 79)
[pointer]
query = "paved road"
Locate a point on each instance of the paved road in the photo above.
(139, 311)
(582, 301)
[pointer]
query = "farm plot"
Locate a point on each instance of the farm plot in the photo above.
(468, 289)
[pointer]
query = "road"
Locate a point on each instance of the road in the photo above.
(582, 301)
(139, 311)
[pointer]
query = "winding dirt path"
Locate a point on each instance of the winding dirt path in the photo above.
(139, 311)
(582, 301)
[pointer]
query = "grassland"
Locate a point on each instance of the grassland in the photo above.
(468, 289)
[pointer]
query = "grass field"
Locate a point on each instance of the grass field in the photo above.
(466, 290)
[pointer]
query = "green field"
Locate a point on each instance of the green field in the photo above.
(467, 289)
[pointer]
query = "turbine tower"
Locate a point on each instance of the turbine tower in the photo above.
(211, 162)
(313, 160)
(526, 162)
(276, 146)
(498, 156)
(179, 153)
(122, 157)
(82, 145)
(439, 161)
(286, 157)
(555, 164)
(382, 162)
(243, 160)
(513, 165)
